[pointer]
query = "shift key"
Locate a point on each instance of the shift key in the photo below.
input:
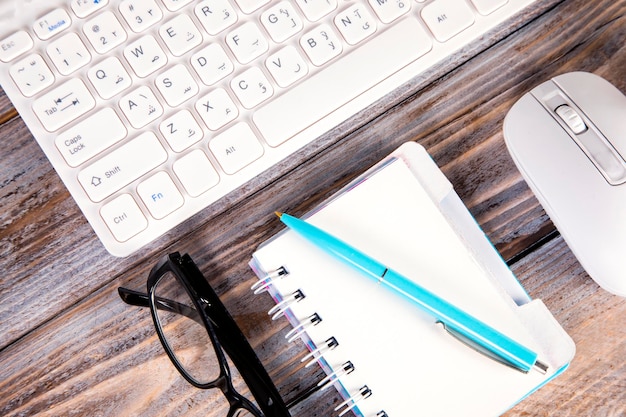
(122, 166)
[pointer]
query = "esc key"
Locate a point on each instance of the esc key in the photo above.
(15, 45)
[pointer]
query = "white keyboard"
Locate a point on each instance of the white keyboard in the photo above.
(151, 110)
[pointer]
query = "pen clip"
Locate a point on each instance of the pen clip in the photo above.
(480, 349)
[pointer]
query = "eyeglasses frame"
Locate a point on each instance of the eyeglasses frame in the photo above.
(223, 332)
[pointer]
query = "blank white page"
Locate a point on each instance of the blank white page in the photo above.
(412, 366)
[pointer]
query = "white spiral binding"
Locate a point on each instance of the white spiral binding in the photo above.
(298, 331)
(279, 309)
(350, 403)
(315, 354)
(330, 379)
(264, 284)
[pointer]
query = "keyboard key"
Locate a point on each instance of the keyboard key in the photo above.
(215, 15)
(123, 217)
(355, 24)
(248, 6)
(181, 130)
(286, 66)
(212, 64)
(314, 10)
(91, 76)
(247, 42)
(104, 32)
(180, 35)
(15, 45)
(321, 44)
(252, 87)
(217, 109)
(281, 21)
(447, 18)
(109, 77)
(122, 166)
(173, 5)
(141, 107)
(83, 8)
(339, 89)
(486, 7)
(160, 195)
(236, 147)
(63, 104)
(31, 75)
(145, 56)
(140, 14)
(68, 53)
(52, 24)
(196, 173)
(90, 137)
(176, 85)
(388, 11)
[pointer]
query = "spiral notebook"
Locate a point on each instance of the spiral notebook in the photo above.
(385, 356)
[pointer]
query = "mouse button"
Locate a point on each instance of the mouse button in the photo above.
(555, 102)
(571, 118)
(520, 127)
(607, 159)
(608, 162)
(601, 102)
(534, 140)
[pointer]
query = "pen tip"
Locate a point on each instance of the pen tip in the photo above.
(279, 214)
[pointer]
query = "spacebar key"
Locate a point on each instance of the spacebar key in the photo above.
(342, 81)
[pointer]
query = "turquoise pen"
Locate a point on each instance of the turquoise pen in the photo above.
(472, 331)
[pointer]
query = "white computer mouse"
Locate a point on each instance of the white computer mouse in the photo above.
(568, 138)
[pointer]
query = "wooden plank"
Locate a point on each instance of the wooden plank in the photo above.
(7, 111)
(595, 383)
(69, 344)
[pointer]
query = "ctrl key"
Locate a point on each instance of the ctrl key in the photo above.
(123, 217)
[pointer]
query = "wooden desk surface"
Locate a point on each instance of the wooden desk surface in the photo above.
(69, 346)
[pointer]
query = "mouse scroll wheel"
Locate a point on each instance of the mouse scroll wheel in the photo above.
(571, 118)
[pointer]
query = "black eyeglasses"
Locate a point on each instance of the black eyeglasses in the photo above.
(195, 330)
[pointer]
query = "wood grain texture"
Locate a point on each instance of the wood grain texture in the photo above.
(69, 346)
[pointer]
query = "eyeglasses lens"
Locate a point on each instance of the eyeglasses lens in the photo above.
(243, 413)
(184, 331)
(188, 339)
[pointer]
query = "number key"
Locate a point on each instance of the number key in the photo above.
(104, 32)
(140, 14)
(68, 53)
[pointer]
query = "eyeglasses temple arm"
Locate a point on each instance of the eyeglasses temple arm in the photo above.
(139, 299)
(133, 298)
